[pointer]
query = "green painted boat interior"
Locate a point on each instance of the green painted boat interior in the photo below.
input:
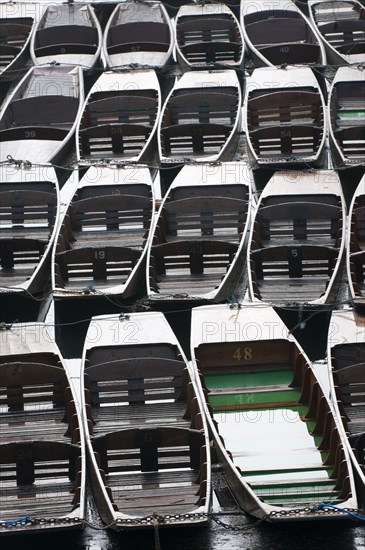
(264, 426)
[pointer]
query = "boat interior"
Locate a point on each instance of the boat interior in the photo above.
(198, 122)
(145, 423)
(285, 124)
(117, 124)
(342, 25)
(102, 236)
(357, 246)
(292, 453)
(283, 36)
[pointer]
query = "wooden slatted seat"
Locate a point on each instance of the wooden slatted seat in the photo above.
(293, 106)
(292, 273)
(113, 139)
(346, 36)
(197, 139)
(138, 36)
(357, 271)
(19, 252)
(26, 212)
(352, 141)
(291, 222)
(212, 52)
(95, 266)
(153, 457)
(293, 140)
(207, 105)
(39, 476)
(132, 392)
(36, 402)
(190, 266)
(125, 107)
(358, 229)
(197, 217)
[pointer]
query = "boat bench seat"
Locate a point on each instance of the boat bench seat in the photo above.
(113, 140)
(88, 265)
(358, 229)
(153, 388)
(122, 108)
(294, 261)
(27, 213)
(208, 105)
(345, 36)
(32, 132)
(197, 139)
(138, 36)
(352, 141)
(43, 477)
(293, 141)
(299, 221)
(66, 48)
(198, 217)
(103, 220)
(38, 401)
(15, 252)
(216, 51)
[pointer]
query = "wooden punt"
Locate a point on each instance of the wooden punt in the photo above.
(146, 433)
(104, 233)
(285, 117)
(197, 248)
(138, 33)
(69, 34)
(280, 447)
(119, 118)
(347, 117)
(38, 119)
(341, 24)
(29, 210)
(278, 33)
(42, 453)
(355, 251)
(346, 364)
(208, 35)
(297, 240)
(201, 118)
(16, 30)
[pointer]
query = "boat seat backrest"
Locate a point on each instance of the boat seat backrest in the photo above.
(21, 251)
(300, 220)
(196, 139)
(111, 213)
(205, 106)
(139, 33)
(40, 460)
(277, 30)
(202, 216)
(123, 108)
(66, 34)
(26, 384)
(284, 107)
(136, 380)
(152, 449)
(44, 110)
(294, 261)
(97, 263)
(195, 257)
(24, 209)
